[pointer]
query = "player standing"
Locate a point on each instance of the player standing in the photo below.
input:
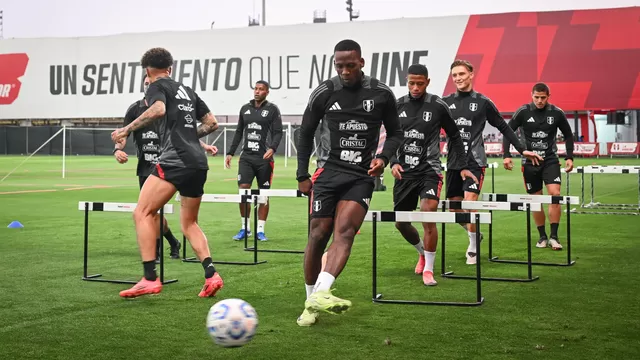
(147, 142)
(540, 122)
(350, 109)
(417, 168)
(182, 166)
(258, 119)
(471, 111)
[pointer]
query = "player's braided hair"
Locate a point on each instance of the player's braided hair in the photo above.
(157, 58)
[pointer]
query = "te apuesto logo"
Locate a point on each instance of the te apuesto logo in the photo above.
(12, 67)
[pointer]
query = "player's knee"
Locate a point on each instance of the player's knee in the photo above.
(554, 191)
(318, 231)
(346, 232)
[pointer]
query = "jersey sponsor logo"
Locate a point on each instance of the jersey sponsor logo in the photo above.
(150, 147)
(413, 148)
(412, 161)
(264, 113)
(254, 146)
(254, 136)
(182, 94)
(350, 156)
(353, 142)
(189, 121)
(539, 145)
(187, 108)
(426, 116)
(531, 119)
(540, 152)
(335, 107)
(550, 120)
(149, 135)
(353, 125)
(152, 158)
(413, 134)
(462, 121)
(13, 67)
(473, 106)
(465, 135)
(254, 126)
(539, 135)
(368, 105)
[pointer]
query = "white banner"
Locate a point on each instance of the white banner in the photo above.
(101, 76)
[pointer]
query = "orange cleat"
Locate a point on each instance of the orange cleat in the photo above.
(143, 287)
(427, 278)
(211, 286)
(420, 265)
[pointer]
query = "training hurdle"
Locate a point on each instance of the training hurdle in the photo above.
(88, 206)
(526, 207)
(541, 199)
(276, 193)
(596, 169)
(492, 166)
(236, 199)
(431, 217)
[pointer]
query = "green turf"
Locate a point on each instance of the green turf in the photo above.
(588, 311)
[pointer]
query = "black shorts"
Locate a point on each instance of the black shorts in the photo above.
(456, 187)
(406, 192)
(141, 180)
(330, 186)
(261, 169)
(535, 175)
(188, 182)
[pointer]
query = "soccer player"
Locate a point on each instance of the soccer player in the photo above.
(182, 166)
(540, 121)
(258, 119)
(471, 111)
(352, 108)
(417, 168)
(147, 144)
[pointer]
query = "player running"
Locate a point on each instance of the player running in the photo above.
(349, 108)
(471, 111)
(259, 119)
(540, 122)
(182, 166)
(417, 168)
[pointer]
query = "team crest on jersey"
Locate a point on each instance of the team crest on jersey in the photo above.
(264, 113)
(426, 116)
(550, 120)
(368, 105)
(473, 106)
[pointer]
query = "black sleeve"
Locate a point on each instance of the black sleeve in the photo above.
(451, 129)
(565, 128)
(201, 107)
(514, 124)
(276, 129)
(392, 126)
(495, 119)
(156, 92)
(313, 114)
(130, 115)
(237, 137)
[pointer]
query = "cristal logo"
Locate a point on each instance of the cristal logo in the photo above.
(12, 68)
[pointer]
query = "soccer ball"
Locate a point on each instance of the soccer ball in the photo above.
(232, 322)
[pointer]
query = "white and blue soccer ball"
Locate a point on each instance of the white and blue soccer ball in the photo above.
(232, 322)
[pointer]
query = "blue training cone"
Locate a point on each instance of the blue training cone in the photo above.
(15, 225)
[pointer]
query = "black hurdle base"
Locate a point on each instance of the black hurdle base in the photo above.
(451, 274)
(98, 277)
(539, 263)
(379, 297)
(281, 251)
(255, 241)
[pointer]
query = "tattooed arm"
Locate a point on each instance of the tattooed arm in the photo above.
(156, 111)
(208, 125)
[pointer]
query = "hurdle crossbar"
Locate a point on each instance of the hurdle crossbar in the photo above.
(597, 169)
(541, 199)
(236, 199)
(90, 206)
(491, 206)
(429, 217)
(277, 193)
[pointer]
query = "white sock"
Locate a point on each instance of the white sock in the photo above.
(419, 247)
(309, 289)
(261, 224)
(472, 241)
(248, 225)
(429, 259)
(324, 282)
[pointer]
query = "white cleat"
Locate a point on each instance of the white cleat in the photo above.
(542, 243)
(555, 244)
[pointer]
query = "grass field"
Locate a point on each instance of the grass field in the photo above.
(587, 311)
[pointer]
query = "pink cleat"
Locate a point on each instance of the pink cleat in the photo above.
(420, 265)
(143, 287)
(211, 286)
(427, 278)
